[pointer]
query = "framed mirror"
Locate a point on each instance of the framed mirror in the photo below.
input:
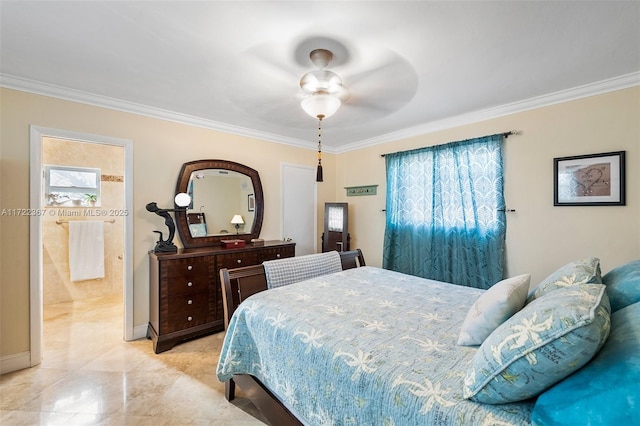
(226, 203)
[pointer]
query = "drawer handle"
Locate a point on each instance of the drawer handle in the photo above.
(189, 318)
(189, 284)
(189, 267)
(189, 302)
(239, 261)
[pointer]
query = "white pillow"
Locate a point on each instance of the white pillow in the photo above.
(495, 306)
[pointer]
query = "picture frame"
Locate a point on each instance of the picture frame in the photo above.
(589, 180)
(251, 202)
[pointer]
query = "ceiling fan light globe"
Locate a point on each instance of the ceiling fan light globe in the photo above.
(321, 105)
(320, 81)
(309, 82)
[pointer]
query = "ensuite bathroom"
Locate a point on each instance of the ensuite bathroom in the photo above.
(82, 241)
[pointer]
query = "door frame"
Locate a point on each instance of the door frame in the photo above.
(36, 133)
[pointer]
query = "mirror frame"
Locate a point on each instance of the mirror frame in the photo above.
(183, 186)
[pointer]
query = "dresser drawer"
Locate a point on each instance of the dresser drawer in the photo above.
(236, 260)
(187, 286)
(276, 253)
(185, 268)
(189, 304)
(185, 276)
(186, 311)
(182, 321)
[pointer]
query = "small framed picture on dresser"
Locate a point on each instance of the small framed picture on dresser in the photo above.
(589, 180)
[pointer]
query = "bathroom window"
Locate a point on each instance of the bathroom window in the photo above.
(71, 186)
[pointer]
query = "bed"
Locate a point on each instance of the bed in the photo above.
(369, 346)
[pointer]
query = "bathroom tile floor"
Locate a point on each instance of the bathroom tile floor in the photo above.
(90, 376)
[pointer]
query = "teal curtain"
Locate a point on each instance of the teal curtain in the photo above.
(445, 215)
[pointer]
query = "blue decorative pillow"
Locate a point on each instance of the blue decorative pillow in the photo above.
(547, 340)
(623, 285)
(585, 271)
(492, 308)
(607, 390)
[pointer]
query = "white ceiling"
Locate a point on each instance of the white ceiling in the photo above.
(411, 66)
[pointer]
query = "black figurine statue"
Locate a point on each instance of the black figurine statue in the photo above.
(164, 246)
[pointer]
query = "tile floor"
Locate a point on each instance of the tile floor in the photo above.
(90, 376)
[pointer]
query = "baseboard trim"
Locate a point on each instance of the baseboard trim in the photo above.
(140, 332)
(15, 362)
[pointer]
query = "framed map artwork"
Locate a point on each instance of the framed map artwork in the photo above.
(589, 180)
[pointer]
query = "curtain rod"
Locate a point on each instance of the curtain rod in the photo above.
(505, 134)
(60, 222)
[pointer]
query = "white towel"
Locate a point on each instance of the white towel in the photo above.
(86, 249)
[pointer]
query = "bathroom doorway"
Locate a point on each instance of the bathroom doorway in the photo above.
(79, 181)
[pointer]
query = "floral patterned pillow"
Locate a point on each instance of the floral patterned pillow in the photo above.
(546, 341)
(585, 271)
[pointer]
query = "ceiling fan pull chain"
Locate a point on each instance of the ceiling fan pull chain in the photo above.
(319, 171)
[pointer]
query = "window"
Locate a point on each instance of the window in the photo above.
(71, 186)
(445, 212)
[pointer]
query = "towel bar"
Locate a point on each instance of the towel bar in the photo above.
(60, 222)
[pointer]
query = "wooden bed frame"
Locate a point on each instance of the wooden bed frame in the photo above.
(237, 285)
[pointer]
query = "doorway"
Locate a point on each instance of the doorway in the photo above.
(59, 207)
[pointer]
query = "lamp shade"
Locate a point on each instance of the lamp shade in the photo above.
(237, 220)
(320, 104)
(182, 199)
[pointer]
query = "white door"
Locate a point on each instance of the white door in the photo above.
(299, 207)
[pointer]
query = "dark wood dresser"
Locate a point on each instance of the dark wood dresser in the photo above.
(185, 293)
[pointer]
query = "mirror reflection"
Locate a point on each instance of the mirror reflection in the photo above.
(223, 202)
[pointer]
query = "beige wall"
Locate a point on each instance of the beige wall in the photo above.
(159, 150)
(540, 237)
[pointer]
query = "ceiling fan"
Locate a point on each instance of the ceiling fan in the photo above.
(271, 80)
(324, 89)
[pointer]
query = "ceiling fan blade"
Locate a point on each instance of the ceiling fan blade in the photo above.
(264, 64)
(264, 84)
(381, 85)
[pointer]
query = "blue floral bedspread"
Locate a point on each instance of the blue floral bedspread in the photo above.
(365, 346)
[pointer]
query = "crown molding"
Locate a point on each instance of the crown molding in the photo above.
(65, 93)
(592, 89)
(586, 90)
